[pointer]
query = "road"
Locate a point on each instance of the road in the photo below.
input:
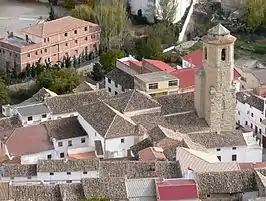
(15, 15)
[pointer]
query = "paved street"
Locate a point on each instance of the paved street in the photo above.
(15, 15)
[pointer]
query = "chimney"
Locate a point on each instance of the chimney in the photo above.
(97, 85)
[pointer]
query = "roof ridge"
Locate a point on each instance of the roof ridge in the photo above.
(129, 100)
(110, 126)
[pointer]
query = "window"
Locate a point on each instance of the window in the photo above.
(44, 40)
(62, 155)
(223, 55)
(51, 173)
(234, 148)
(85, 172)
(10, 54)
(83, 140)
(86, 38)
(65, 34)
(219, 158)
(68, 173)
(36, 53)
(30, 118)
(28, 54)
(208, 196)
(218, 149)
(172, 83)
(252, 115)
(48, 39)
(238, 112)
(85, 28)
(66, 44)
(109, 89)
(122, 140)
(116, 85)
(29, 177)
(234, 157)
(246, 123)
(75, 32)
(259, 131)
(153, 86)
(41, 51)
(260, 120)
(76, 41)
(238, 122)
(251, 125)
(116, 93)
(45, 50)
(60, 144)
(70, 143)
(44, 116)
(49, 156)
(76, 51)
(205, 53)
(12, 178)
(109, 80)
(69, 181)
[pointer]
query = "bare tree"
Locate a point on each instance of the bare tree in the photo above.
(165, 10)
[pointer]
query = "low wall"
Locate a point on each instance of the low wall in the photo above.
(19, 86)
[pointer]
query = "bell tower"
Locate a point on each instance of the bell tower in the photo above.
(215, 91)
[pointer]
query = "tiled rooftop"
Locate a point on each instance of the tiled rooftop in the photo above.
(122, 78)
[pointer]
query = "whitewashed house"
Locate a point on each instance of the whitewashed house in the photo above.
(250, 114)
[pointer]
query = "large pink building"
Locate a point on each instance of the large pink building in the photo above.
(50, 42)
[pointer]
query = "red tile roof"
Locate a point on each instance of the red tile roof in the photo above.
(151, 154)
(186, 76)
(177, 189)
(195, 57)
(160, 65)
(34, 137)
(85, 155)
(248, 166)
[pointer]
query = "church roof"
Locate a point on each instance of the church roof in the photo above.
(219, 30)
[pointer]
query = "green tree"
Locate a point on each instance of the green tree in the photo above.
(69, 4)
(255, 13)
(84, 12)
(4, 95)
(150, 48)
(108, 58)
(97, 72)
(112, 18)
(52, 15)
(60, 81)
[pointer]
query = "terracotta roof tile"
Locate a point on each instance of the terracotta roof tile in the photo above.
(160, 65)
(58, 26)
(151, 154)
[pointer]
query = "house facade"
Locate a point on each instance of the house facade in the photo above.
(156, 83)
(43, 43)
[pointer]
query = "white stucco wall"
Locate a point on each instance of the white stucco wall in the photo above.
(63, 176)
(243, 153)
(66, 115)
(36, 119)
(114, 88)
(119, 149)
(28, 180)
(92, 133)
(244, 115)
(33, 158)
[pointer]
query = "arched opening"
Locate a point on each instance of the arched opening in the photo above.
(223, 55)
(205, 53)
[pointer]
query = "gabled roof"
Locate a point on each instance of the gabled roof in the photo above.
(132, 100)
(108, 122)
(122, 78)
(177, 189)
(160, 65)
(141, 189)
(152, 154)
(84, 86)
(199, 161)
(219, 30)
(71, 102)
(31, 110)
(251, 99)
(57, 26)
(71, 192)
(71, 165)
(19, 170)
(64, 128)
